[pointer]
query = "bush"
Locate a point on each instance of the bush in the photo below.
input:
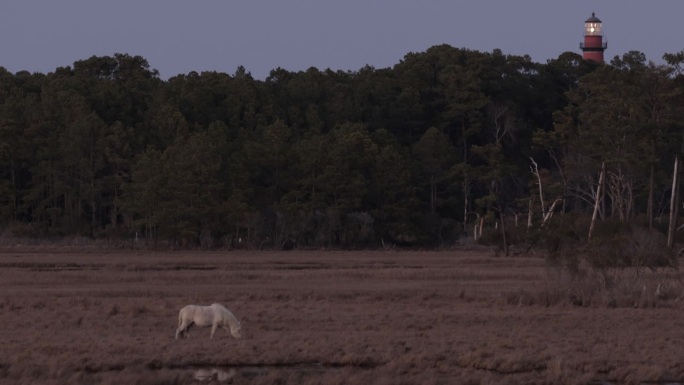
(609, 271)
(623, 245)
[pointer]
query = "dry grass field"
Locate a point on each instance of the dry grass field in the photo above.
(82, 316)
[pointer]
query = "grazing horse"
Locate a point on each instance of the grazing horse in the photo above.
(215, 315)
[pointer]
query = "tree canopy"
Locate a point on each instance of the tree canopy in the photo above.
(411, 154)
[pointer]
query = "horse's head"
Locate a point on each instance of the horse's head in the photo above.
(236, 330)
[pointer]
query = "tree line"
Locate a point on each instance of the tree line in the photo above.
(418, 154)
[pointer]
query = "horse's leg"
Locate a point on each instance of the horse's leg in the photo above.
(184, 328)
(213, 329)
(180, 329)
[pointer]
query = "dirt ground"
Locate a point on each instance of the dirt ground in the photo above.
(82, 316)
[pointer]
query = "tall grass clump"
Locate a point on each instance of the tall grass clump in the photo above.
(622, 266)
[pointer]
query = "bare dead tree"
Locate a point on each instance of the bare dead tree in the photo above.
(501, 119)
(503, 233)
(546, 215)
(673, 205)
(535, 170)
(621, 194)
(529, 214)
(597, 201)
(549, 213)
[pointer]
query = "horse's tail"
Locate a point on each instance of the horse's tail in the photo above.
(180, 318)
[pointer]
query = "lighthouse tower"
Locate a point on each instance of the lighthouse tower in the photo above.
(593, 45)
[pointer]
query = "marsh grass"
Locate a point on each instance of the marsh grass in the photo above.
(333, 318)
(587, 286)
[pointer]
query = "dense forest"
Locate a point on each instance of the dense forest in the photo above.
(423, 154)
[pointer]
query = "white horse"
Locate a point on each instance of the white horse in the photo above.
(215, 315)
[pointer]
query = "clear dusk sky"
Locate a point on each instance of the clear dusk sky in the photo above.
(179, 36)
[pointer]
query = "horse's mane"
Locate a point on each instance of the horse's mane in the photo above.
(227, 314)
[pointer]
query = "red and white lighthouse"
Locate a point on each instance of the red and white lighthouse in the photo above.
(593, 45)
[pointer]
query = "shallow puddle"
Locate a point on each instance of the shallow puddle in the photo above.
(214, 374)
(228, 374)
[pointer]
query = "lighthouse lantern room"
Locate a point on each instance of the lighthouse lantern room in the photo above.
(593, 45)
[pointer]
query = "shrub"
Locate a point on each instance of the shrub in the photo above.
(618, 245)
(609, 271)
